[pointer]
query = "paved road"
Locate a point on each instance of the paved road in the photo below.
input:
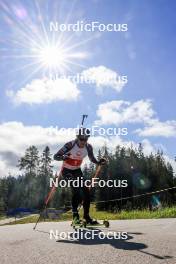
(149, 241)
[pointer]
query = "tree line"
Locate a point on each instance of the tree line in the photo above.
(144, 174)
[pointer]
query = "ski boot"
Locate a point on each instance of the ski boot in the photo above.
(90, 221)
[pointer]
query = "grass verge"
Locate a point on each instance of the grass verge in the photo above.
(2, 217)
(169, 212)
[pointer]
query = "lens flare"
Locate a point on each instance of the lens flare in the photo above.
(141, 181)
(155, 201)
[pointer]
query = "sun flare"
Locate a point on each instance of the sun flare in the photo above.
(52, 56)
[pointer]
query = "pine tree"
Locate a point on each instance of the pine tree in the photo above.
(5, 194)
(2, 203)
(29, 164)
(45, 173)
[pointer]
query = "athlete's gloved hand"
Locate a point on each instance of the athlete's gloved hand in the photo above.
(66, 156)
(102, 161)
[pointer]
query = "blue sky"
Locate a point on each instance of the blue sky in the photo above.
(145, 54)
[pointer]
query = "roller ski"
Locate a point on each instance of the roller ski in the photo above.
(95, 223)
(88, 223)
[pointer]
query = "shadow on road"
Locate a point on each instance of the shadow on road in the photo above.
(123, 244)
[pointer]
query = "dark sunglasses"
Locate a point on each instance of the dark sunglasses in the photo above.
(83, 139)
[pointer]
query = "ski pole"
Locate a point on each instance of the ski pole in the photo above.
(83, 118)
(97, 172)
(48, 198)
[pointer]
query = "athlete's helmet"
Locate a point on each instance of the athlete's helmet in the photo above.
(83, 134)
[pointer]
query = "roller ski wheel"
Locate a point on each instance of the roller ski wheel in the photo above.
(106, 223)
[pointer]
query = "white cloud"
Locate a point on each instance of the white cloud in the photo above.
(157, 128)
(15, 137)
(103, 77)
(124, 112)
(118, 112)
(45, 91)
(3, 168)
(6, 168)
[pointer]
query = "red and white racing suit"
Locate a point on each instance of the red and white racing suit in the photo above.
(71, 168)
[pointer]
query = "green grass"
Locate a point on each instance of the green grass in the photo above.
(2, 217)
(32, 219)
(169, 212)
(146, 214)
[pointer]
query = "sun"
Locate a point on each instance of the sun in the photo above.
(52, 57)
(41, 52)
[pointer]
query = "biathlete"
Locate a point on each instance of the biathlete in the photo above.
(72, 155)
